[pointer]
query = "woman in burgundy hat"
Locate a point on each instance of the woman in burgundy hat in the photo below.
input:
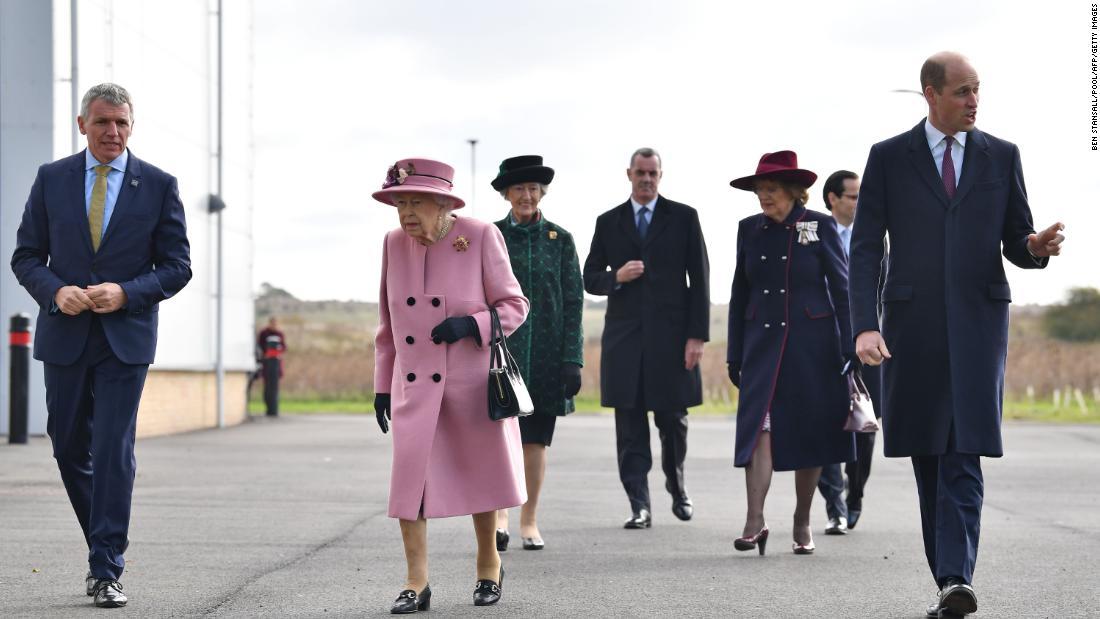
(789, 344)
(441, 274)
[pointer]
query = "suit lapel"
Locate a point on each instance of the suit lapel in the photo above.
(975, 160)
(659, 222)
(921, 158)
(76, 187)
(131, 184)
(628, 224)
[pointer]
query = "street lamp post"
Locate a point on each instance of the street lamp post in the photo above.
(473, 171)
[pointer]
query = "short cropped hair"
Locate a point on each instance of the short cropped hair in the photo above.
(835, 185)
(111, 93)
(933, 73)
(646, 152)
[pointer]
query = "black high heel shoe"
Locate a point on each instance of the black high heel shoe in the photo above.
(487, 592)
(408, 601)
(502, 540)
(760, 540)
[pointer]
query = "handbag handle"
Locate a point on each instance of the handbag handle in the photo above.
(856, 384)
(500, 356)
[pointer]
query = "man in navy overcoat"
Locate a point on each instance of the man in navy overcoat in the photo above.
(102, 242)
(952, 200)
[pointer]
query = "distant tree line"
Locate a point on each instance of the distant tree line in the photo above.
(1076, 320)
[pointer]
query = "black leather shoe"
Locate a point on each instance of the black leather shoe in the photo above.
(487, 592)
(957, 599)
(640, 519)
(837, 526)
(108, 593)
(933, 609)
(89, 584)
(853, 518)
(502, 539)
(683, 508)
(408, 601)
(533, 543)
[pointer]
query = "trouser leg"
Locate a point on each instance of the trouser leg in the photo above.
(635, 459)
(859, 470)
(69, 426)
(116, 393)
(926, 470)
(958, 516)
(673, 428)
(831, 487)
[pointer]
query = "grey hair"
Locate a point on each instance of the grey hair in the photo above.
(111, 93)
(646, 152)
(444, 201)
(542, 186)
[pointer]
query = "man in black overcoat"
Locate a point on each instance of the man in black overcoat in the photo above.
(649, 258)
(952, 200)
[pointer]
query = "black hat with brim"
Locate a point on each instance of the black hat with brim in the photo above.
(522, 169)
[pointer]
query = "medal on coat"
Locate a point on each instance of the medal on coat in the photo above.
(807, 232)
(553, 235)
(461, 244)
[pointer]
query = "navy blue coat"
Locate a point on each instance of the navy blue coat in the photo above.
(945, 297)
(788, 330)
(144, 250)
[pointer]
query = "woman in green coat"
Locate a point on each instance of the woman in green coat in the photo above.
(549, 346)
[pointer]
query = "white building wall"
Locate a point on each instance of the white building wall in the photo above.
(165, 54)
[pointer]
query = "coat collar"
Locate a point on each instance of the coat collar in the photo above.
(975, 160)
(657, 223)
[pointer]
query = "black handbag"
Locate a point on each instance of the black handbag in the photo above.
(508, 396)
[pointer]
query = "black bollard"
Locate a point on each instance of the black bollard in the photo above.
(20, 377)
(272, 365)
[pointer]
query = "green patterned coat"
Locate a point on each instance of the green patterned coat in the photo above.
(544, 260)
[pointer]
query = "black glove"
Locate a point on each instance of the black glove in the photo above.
(382, 411)
(734, 370)
(851, 363)
(570, 379)
(456, 328)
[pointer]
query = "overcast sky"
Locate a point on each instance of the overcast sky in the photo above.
(345, 88)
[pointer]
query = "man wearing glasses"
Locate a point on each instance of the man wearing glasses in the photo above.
(840, 193)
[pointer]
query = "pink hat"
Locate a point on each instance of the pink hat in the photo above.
(418, 176)
(779, 166)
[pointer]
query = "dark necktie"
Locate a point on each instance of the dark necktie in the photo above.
(643, 223)
(948, 172)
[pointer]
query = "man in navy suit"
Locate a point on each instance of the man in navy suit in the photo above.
(952, 200)
(102, 242)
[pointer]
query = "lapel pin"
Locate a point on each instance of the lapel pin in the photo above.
(553, 234)
(134, 182)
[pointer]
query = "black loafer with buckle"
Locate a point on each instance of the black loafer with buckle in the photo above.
(408, 601)
(487, 592)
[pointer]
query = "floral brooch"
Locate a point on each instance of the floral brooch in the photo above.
(461, 244)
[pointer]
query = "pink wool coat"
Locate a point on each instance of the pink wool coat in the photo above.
(447, 454)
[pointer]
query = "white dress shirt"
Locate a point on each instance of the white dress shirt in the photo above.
(937, 145)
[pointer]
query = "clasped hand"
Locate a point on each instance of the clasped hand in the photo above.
(100, 298)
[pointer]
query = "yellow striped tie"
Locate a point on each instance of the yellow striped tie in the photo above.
(99, 201)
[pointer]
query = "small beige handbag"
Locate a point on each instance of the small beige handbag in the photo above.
(861, 415)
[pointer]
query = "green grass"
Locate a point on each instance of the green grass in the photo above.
(1042, 410)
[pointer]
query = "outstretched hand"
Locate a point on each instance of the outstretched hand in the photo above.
(1047, 242)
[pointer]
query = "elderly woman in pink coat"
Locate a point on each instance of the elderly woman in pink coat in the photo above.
(441, 274)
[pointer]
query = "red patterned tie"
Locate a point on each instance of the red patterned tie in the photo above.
(948, 172)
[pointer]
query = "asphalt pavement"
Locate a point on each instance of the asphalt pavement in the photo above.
(287, 517)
